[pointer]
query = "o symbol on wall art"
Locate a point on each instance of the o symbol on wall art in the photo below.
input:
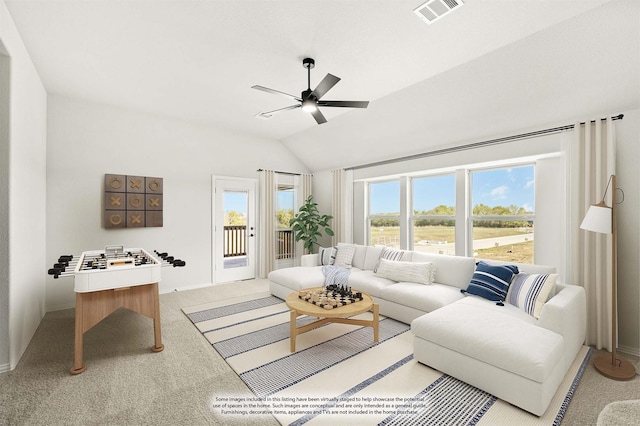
(154, 185)
(115, 219)
(115, 183)
(135, 201)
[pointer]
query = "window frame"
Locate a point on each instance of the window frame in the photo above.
(370, 216)
(471, 218)
(413, 217)
(463, 218)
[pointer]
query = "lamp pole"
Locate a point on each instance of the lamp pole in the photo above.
(617, 369)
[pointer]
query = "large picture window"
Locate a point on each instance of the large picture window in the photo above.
(384, 214)
(434, 213)
(487, 213)
(503, 213)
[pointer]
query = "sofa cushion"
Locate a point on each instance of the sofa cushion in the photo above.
(372, 256)
(298, 277)
(425, 298)
(527, 268)
(491, 282)
(368, 282)
(487, 333)
(360, 255)
(413, 272)
(529, 292)
(344, 256)
(451, 270)
(514, 312)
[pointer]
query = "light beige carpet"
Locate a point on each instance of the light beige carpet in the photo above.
(620, 413)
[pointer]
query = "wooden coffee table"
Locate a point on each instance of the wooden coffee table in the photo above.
(338, 315)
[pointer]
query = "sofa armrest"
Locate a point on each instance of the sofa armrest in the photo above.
(566, 314)
(310, 260)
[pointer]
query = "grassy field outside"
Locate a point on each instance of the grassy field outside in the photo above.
(521, 253)
(430, 235)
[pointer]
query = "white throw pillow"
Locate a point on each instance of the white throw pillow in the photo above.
(412, 272)
(344, 256)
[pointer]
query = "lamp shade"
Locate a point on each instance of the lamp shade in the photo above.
(597, 219)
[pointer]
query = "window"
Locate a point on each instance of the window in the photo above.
(285, 210)
(434, 209)
(503, 213)
(384, 214)
(484, 212)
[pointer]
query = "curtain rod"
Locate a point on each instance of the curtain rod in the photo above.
(475, 145)
(282, 173)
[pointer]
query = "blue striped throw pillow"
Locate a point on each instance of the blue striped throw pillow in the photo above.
(529, 292)
(491, 282)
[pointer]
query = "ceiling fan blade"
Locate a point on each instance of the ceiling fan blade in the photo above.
(344, 104)
(268, 114)
(318, 116)
(325, 85)
(276, 92)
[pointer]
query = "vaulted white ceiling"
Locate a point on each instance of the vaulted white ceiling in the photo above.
(490, 67)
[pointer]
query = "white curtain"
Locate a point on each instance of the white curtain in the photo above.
(268, 192)
(306, 186)
(342, 206)
(337, 177)
(591, 161)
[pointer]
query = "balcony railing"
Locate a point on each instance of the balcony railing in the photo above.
(284, 243)
(235, 237)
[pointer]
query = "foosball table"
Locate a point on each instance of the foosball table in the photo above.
(109, 279)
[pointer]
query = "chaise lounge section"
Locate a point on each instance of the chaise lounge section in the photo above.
(516, 351)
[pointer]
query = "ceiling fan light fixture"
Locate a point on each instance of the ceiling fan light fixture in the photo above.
(309, 105)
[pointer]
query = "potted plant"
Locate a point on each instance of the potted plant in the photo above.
(307, 225)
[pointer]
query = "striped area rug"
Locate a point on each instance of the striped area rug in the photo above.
(338, 375)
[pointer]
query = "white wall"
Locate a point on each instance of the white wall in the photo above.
(24, 186)
(88, 140)
(4, 210)
(628, 224)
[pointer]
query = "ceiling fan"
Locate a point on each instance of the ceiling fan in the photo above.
(310, 100)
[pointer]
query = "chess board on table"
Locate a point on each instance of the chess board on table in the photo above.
(331, 296)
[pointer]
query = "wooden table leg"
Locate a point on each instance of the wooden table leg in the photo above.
(376, 315)
(158, 346)
(78, 366)
(293, 330)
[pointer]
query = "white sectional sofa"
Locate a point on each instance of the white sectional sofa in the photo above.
(500, 349)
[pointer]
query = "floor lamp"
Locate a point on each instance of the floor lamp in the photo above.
(602, 219)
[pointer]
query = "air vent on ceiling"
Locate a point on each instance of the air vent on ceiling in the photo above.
(435, 9)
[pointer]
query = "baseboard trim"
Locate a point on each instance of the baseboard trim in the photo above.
(4, 368)
(60, 307)
(629, 350)
(191, 287)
